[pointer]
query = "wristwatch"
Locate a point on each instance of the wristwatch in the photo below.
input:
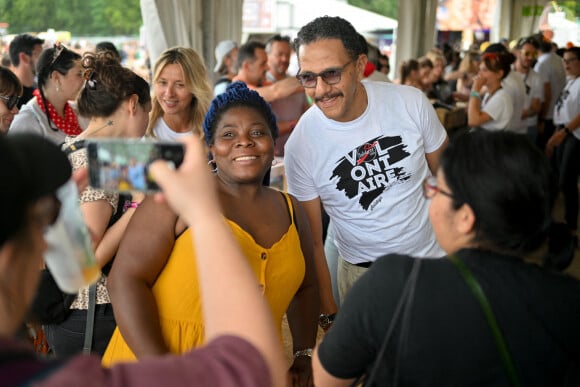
(568, 131)
(326, 320)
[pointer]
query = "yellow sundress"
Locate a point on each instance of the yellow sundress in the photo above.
(280, 271)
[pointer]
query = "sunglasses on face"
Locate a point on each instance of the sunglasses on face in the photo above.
(10, 100)
(330, 76)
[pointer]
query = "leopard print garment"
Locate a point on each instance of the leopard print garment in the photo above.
(78, 160)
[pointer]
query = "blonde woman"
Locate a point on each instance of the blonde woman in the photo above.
(468, 68)
(182, 93)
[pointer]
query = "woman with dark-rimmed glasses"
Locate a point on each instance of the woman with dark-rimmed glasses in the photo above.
(50, 113)
(10, 92)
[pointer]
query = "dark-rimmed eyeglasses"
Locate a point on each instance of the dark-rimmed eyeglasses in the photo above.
(10, 100)
(58, 49)
(330, 76)
(569, 60)
(430, 188)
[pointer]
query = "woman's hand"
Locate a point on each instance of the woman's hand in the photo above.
(478, 83)
(301, 372)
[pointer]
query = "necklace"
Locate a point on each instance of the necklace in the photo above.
(488, 96)
(92, 132)
(109, 123)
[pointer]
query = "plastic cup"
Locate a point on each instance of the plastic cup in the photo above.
(70, 256)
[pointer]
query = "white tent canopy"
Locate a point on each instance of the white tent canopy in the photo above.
(201, 24)
(362, 20)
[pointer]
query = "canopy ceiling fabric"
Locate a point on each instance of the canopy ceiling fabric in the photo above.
(416, 32)
(199, 24)
(516, 18)
(363, 21)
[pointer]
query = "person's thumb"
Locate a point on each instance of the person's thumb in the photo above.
(162, 172)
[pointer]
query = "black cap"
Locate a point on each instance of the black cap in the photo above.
(31, 167)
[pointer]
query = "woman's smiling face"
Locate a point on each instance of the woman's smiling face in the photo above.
(171, 90)
(242, 147)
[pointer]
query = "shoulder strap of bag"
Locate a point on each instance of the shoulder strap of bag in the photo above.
(403, 310)
(88, 345)
(479, 294)
(74, 147)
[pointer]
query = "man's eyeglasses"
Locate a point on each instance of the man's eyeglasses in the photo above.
(569, 60)
(58, 49)
(330, 76)
(430, 188)
(11, 100)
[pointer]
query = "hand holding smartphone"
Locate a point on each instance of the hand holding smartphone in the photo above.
(122, 165)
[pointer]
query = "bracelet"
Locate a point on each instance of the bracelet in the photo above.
(128, 205)
(326, 320)
(475, 94)
(303, 352)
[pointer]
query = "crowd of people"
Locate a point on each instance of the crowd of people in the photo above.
(420, 276)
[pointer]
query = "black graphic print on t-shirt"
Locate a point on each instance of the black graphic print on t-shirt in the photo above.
(370, 169)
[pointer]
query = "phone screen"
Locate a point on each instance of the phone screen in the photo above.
(122, 165)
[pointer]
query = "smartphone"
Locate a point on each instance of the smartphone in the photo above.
(122, 165)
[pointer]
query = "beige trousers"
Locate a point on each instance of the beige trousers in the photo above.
(348, 274)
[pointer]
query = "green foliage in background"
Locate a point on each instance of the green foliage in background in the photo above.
(388, 8)
(80, 17)
(570, 8)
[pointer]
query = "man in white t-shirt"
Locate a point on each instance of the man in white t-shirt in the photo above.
(564, 144)
(288, 109)
(526, 51)
(362, 151)
(551, 70)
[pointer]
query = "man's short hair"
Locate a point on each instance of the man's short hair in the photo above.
(327, 27)
(247, 51)
(276, 38)
(108, 46)
(527, 40)
(22, 43)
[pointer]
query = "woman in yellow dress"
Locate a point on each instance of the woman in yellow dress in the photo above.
(153, 284)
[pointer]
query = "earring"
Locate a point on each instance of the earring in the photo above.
(57, 88)
(274, 161)
(213, 164)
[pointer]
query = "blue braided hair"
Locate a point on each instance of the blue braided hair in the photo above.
(237, 94)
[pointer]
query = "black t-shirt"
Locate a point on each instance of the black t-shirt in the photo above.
(26, 95)
(449, 342)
